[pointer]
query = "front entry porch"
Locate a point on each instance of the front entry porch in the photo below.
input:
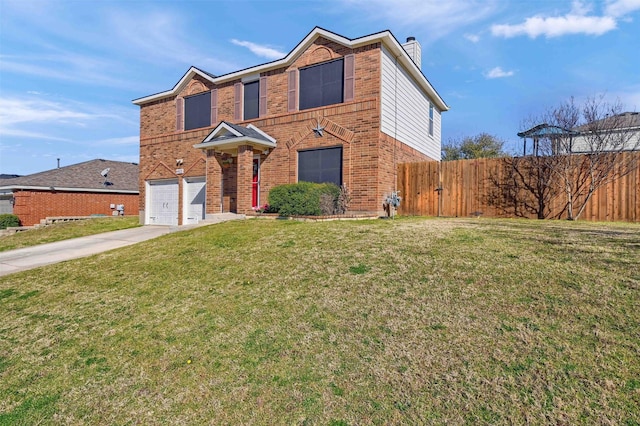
(233, 167)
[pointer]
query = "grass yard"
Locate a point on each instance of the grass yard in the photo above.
(409, 321)
(66, 230)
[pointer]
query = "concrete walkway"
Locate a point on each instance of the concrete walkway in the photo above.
(45, 254)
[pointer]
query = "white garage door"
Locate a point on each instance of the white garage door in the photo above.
(163, 202)
(194, 198)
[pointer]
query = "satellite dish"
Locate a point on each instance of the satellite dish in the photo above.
(105, 172)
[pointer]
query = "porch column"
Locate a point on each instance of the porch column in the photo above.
(214, 182)
(245, 178)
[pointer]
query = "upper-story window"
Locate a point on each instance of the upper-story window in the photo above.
(430, 119)
(197, 111)
(251, 100)
(322, 84)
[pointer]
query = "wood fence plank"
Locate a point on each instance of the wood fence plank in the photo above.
(467, 188)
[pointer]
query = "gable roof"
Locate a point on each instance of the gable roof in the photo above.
(121, 178)
(226, 137)
(384, 37)
(545, 130)
(625, 120)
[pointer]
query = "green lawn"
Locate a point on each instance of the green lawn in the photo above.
(406, 321)
(65, 231)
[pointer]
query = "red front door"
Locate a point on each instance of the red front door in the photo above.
(255, 182)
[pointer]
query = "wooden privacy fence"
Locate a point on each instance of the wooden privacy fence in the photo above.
(466, 188)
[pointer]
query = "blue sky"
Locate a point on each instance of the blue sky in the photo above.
(69, 69)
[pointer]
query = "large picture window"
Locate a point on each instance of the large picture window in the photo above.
(197, 111)
(320, 165)
(322, 84)
(251, 99)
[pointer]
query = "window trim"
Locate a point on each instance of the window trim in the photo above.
(324, 148)
(300, 83)
(431, 114)
(244, 99)
(205, 113)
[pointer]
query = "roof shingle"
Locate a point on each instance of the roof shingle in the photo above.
(87, 175)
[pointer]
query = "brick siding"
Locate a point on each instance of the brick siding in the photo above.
(369, 157)
(32, 206)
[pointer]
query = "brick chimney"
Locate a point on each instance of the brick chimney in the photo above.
(413, 48)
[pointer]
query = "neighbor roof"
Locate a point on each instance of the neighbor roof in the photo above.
(625, 120)
(546, 130)
(122, 178)
(384, 37)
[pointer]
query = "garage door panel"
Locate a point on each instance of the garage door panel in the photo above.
(163, 203)
(195, 195)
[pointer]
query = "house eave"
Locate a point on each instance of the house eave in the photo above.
(384, 37)
(230, 146)
(177, 88)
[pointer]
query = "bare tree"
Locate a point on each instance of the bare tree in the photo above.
(576, 150)
(592, 154)
(524, 186)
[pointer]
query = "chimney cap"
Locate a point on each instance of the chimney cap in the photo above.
(411, 39)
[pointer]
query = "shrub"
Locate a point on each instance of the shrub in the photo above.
(7, 220)
(327, 204)
(304, 199)
(343, 200)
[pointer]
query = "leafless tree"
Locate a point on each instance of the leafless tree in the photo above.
(576, 150)
(592, 154)
(524, 186)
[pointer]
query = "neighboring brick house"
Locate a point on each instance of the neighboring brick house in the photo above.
(334, 109)
(96, 187)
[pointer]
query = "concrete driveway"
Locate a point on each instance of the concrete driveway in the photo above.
(45, 254)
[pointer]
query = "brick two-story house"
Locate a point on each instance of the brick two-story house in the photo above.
(333, 110)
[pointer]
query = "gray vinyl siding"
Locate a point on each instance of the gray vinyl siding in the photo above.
(626, 140)
(405, 109)
(6, 205)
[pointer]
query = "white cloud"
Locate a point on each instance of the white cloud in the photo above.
(38, 118)
(260, 50)
(15, 111)
(498, 72)
(557, 26)
(7, 131)
(60, 67)
(162, 37)
(433, 19)
(126, 140)
(579, 20)
(473, 38)
(580, 8)
(621, 7)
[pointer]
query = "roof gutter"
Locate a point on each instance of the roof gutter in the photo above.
(385, 37)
